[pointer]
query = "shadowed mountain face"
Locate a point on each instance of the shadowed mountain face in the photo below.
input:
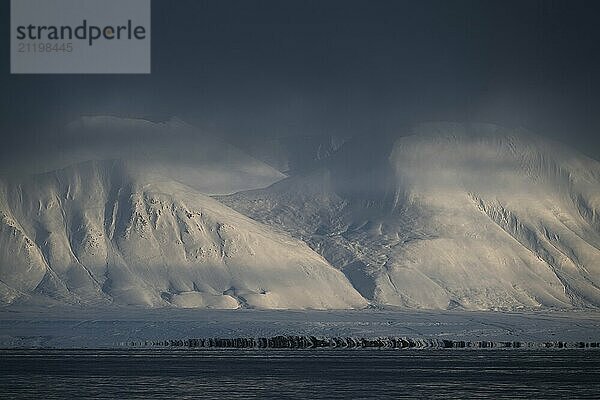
(102, 232)
(451, 215)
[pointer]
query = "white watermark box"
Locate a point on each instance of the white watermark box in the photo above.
(80, 36)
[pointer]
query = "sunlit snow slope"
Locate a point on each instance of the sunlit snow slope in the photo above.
(449, 215)
(101, 232)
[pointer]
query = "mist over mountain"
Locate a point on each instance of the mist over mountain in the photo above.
(169, 150)
(294, 154)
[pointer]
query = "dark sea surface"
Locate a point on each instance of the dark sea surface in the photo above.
(304, 374)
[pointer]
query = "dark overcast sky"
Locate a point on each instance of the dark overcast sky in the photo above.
(268, 68)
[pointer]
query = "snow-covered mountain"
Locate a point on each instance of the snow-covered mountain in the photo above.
(449, 215)
(104, 232)
(444, 216)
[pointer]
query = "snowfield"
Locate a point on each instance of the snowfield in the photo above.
(92, 327)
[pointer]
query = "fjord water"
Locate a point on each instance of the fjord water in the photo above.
(236, 374)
